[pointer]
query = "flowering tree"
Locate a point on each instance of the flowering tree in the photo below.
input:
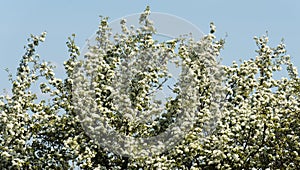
(222, 117)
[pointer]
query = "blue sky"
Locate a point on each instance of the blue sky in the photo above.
(241, 20)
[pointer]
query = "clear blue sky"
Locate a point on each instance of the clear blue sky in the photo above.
(241, 20)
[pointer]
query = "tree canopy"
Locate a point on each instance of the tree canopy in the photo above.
(221, 117)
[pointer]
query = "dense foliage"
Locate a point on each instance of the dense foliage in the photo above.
(256, 125)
